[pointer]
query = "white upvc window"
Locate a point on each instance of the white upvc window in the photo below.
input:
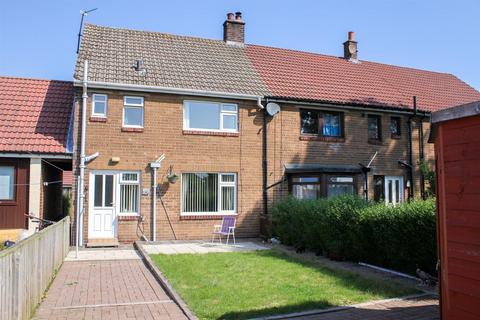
(133, 112)
(210, 116)
(129, 185)
(99, 105)
(209, 193)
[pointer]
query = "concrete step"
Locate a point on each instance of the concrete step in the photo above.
(100, 243)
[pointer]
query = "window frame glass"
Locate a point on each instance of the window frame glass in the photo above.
(12, 185)
(398, 127)
(129, 105)
(351, 183)
(378, 119)
(94, 102)
(123, 182)
(322, 180)
(220, 184)
(222, 112)
(320, 120)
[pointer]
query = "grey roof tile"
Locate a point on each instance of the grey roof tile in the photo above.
(170, 61)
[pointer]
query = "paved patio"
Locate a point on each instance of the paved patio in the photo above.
(177, 247)
(119, 288)
(423, 308)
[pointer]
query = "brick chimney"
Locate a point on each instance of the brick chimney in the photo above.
(234, 29)
(350, 51)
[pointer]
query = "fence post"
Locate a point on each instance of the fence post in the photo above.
(16, 285)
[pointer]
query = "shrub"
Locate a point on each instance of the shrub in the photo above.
(348, 228)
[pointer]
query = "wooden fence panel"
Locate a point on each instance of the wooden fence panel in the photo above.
(27, 269)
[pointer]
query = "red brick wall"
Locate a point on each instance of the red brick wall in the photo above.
(240, 153)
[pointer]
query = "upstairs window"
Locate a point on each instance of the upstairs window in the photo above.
(321, 123)
(99, 105)
(210, 116)
(395, 129)
(374, 128)
(133, 112)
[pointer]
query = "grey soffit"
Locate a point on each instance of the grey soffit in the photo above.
(169, 61)
(321, 168)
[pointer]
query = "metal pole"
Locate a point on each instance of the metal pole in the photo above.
(81, 183)
(154, 236)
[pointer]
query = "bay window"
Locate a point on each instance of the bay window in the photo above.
(210, 116)
(209, 193)
(314, 186)
(304, 187)
(340, 185)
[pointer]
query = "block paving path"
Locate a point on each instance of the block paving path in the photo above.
(107, 289)
(424, 308)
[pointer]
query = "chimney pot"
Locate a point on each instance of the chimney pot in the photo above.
(234, 29)
(350, 51)
(351, 36)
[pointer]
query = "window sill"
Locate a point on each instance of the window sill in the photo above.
(124, 129)
(211, 133)
(320, 138)
(97, 119)
(206, 216)
(374, 141)
(128, 218)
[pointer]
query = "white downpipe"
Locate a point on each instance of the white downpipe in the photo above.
(81, 182)
(154, 209)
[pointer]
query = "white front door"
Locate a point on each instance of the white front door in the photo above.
(394, 190)
(102, 214)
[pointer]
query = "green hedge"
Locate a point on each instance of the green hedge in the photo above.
(347, 228)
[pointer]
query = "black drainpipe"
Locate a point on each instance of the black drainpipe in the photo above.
(410, 150)
(422, 156)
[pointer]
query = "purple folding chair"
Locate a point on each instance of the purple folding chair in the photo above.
(227, 228)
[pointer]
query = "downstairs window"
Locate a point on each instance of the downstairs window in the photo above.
(209, 193)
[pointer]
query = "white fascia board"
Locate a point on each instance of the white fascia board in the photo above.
(35, 155)
(144, 88)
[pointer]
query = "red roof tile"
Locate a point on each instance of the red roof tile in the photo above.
(34, 115)
(309, 76)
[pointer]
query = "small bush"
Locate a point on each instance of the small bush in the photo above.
(348, 228)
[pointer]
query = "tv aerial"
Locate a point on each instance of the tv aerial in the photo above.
(83, 13)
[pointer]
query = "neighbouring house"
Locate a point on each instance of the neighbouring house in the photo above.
(35, 148)
(456, 134)
(240, 125)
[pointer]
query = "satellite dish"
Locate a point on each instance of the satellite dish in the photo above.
(272, 108)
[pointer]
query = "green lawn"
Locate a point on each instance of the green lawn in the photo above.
(252, 284)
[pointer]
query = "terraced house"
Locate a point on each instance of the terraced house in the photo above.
(181, 131)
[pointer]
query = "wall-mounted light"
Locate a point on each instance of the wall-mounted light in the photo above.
(115, 159)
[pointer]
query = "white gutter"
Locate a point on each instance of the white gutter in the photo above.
(182, 91)
(81, 182)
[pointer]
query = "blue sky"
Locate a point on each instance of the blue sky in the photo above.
(38, 38)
